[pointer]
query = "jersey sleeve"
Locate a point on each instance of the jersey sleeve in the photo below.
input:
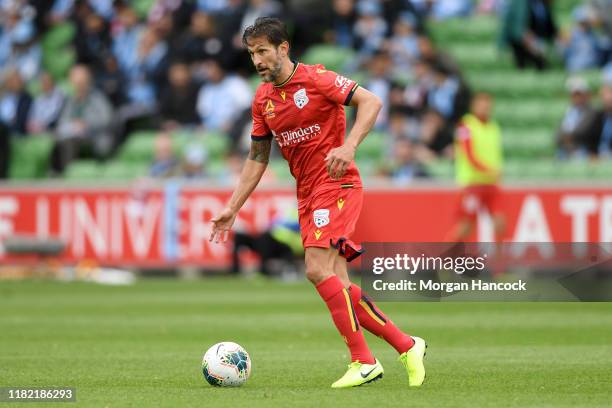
(335, 87)
(260, 130)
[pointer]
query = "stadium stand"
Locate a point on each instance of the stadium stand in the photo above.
(529, 107)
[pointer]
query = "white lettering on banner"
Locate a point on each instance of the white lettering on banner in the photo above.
(9, 207)
(90, 227)
(141, 226)
(579, 207)
(532, 224)
(201, 210)
(605, 219)
(42, 217)
(65, 220)
(116, 234)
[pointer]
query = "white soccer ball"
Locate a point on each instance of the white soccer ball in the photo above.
(226, 364)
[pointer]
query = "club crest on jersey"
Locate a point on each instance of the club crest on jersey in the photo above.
(300, 98)
(321, 217)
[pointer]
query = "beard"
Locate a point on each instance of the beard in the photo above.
(273, 72)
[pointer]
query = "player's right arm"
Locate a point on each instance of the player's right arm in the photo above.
(252, 171)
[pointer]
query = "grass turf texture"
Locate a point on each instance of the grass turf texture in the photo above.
(142, 346)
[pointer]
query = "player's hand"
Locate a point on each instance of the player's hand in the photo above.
(338, 160)
(222, 224)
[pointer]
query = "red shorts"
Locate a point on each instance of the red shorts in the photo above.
(328, 218)
(477, 198)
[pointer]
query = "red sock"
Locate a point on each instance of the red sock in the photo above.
(339, 304)
(374, 321)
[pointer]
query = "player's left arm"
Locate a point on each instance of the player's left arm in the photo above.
(368, 105)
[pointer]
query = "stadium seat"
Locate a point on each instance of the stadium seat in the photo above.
(58, 62)
(441, 169)
(138, 147)
(373, 146)
(481, 29)
(124, 170)
(58, 36)
(31, 155)
(216, 144)
(332, 57)
(528, 142)
(142, 7)
(83, 170)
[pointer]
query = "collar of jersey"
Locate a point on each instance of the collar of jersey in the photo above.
(286, 81)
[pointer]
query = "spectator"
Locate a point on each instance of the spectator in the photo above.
(200, 42)
(18, 48)
(126, 40)
(145, 70)
(110, 80)
(222, 99)
(526, 27)
(194, 161)
(260, 8)
(443, 9)
(85, 122)
(404, 167)
(379, 68)
(431, 55)
(583, 50)
(5, 151)
(447, 100)
(47, 106)
(576, 119)
(92, 41)
(211, 6)
(178, 100)
(15, 103)
(370, 28)
(165, 162)
(404, 44)
(599, 132)
(607, 73)
(341, 24)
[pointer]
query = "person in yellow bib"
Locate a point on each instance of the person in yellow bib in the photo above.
(478, 162)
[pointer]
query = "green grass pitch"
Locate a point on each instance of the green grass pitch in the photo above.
(141, 346)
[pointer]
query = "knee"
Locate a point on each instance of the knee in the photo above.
(316, 274)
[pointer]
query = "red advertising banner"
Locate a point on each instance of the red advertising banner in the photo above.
(171, 224)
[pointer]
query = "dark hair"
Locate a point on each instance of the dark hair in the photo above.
(271, 28)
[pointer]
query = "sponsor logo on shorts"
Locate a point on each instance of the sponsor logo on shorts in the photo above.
(321, 217)
(317, 234)
(300, 98)
(340, 203)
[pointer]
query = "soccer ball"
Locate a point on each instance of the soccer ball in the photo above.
(226, 364)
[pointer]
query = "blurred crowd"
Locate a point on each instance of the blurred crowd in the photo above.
(170, 64)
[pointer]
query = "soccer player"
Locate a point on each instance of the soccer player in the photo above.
(478, 161)
(301, 107)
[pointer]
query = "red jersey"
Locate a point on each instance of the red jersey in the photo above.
(305, 114)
